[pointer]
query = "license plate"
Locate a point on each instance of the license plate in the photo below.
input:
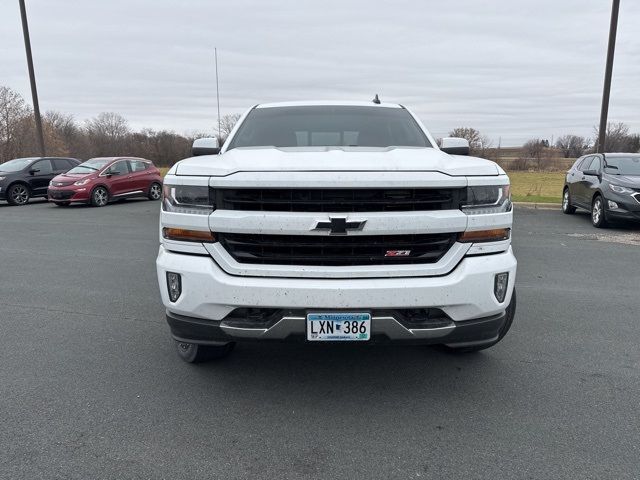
(331, 327)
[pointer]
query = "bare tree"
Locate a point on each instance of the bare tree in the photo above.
(572, 146)
(535, 149)
(107, 133)
(633, 143)
(478, 143)
(227, 122)
(617, 139)
(13, 113)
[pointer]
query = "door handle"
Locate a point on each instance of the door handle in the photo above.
(584, 178)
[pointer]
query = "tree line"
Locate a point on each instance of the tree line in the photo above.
(618, 139)
(107, 134)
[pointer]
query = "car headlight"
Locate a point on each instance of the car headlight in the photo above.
(82, 182)
(487, 199)
(187, 199)
(2, 178)
(620, 189)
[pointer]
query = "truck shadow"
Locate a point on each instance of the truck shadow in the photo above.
(349, 374)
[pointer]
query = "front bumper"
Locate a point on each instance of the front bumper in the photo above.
(68, 194)
(628, 207)
(384, 329)
(209, 294)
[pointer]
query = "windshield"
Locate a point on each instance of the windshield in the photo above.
(16, 165)
(329, 126)
(623, 165)
(89, 166)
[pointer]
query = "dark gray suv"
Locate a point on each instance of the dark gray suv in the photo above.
(607, 184)
(24, 178)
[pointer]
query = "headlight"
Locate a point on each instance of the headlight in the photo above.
(82, 182)
(187, 199)
(2, 178)
(487, 199)
(619, 189)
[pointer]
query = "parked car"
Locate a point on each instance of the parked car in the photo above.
(25, 178)
(608, 185)
(100, 180)
(335, 222)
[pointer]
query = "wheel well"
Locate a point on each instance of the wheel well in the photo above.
(597, 194)
(19, 182)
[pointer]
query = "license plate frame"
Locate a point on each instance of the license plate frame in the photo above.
(330, 326)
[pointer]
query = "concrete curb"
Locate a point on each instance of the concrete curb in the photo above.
(538, 206)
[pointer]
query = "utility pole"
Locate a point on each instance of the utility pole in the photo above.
(32, 79)
(602, 132)
(215, 52)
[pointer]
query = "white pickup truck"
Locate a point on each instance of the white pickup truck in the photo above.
(335, 222)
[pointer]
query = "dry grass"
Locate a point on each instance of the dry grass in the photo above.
(538, 187)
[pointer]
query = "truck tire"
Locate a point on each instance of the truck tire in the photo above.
(194, 353)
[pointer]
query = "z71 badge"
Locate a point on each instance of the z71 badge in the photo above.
(397, 253)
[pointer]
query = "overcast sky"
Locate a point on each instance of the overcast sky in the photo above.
(514, 69)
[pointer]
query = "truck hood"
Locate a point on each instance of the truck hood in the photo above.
(333, 159)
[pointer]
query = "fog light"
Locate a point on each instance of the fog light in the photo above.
(612, 205)
(500, 286)
(174, 285)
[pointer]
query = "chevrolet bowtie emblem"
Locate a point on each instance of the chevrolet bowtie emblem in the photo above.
(339, 225)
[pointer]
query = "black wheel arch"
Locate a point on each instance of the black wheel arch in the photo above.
(597, 193)
(20, 182)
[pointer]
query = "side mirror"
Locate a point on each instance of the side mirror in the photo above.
(33, 171)
(455, 146)
(593, 173)
(205, 146)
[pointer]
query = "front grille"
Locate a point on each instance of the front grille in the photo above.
(61, 194)
(336, 250)
(62, 184)
(339, 200)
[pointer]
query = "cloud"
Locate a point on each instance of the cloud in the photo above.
(511, 69)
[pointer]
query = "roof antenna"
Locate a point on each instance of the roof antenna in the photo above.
(376, 100)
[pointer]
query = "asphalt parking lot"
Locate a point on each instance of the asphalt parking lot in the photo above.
(90, 386)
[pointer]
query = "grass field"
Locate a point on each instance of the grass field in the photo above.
(537, 187)
(544, 187)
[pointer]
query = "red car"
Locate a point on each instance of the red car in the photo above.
(100, 180)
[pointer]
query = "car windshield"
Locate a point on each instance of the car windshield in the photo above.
(623, 165)
(89, 166)
(15, 165)
(329, 126)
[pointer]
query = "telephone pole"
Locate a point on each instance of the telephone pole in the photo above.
(604, 112)
(215, 52)
(32, 79)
